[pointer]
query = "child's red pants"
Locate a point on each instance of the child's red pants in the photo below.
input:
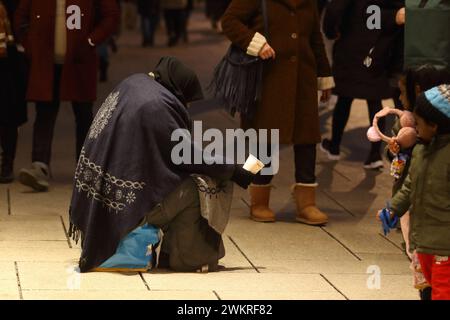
(436, 270)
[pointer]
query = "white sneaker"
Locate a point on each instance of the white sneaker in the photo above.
(374, 165)
(325, 147)
(37, 177)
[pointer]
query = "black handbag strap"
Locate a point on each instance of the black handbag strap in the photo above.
(265, 18)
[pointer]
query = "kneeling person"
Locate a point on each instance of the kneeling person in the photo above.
(126, 178)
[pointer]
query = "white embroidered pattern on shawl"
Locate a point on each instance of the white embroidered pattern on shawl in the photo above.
(112, 192)
(103, 115)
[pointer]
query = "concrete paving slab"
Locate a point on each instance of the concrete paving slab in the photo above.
(44, 254)
(7, 271)
(388, 264)
(277, 295)
(25, 202)
(31, 244)
(61, 276)
(237, 282)
(116, 295)
(23, 228)
(361, 238)
(3, 200)
(9, 286)
(392, 287)
(279, 241)
(234, 261)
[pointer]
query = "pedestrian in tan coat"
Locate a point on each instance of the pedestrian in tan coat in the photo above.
(296, 68)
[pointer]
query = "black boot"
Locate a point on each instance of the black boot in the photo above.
(6, 172)
(425, 294)
(8, 141)
(104, 64)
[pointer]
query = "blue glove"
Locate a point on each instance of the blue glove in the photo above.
(388, 223)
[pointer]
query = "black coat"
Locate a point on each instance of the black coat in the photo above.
(346, 21)
(13, 81)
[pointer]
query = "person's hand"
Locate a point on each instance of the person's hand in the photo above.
(400, 17)
(379, 215)
(394, 147)
(267, 52)
(326, 95)
(392, 215)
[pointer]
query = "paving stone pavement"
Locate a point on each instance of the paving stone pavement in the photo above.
(285, 260)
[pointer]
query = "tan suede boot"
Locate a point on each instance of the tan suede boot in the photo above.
(307, 212)
(259, 210)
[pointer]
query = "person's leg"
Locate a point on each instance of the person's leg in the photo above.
(169, 19)
(145, 29)
(188, 243)
(153, 24)
(259, 192)
(374, 159)
(83, 119)
(305, 188)
(8, 144)
(44, 126)
(440, 278)
(426, 263)
(341, 115)
(38, 176)
(179, 20)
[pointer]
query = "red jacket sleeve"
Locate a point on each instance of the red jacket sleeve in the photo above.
(109, 14)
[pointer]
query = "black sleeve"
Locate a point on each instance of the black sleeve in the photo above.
(336, 9)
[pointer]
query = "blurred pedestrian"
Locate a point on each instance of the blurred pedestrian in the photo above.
(149, 10)
(187, 17)
(174, 14)
(215, 10)
(63, 67)
(296, 68)
(361, 60)
(13, 111)
(129, 14)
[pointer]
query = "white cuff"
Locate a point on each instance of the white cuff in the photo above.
(325, 83)
(20, 48)
(308, 185)
(256, 45)
(92, 44)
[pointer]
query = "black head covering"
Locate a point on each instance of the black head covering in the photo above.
(178, 79)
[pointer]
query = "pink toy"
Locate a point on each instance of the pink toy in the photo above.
(407, 136)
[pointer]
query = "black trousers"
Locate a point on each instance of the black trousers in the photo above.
(341, 115)
(44, 124)
(8, 145)
(305, 166)
(175, 23)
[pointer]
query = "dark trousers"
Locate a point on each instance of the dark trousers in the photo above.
(305, 166)
(44, 124)
(341, 115)
(189, 242)
(175, 24)
(8, 145)
(148, 25)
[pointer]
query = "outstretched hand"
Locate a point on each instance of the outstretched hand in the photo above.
(267, 52)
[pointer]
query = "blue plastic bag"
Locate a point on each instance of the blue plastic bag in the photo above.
(136, 252)
(388, 223)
